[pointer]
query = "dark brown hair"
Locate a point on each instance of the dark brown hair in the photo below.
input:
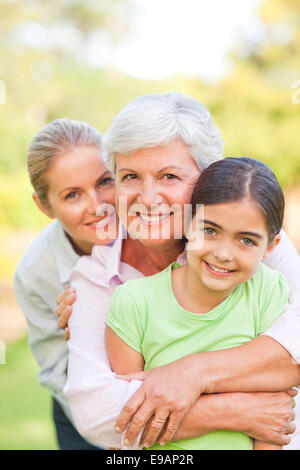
(233, 179)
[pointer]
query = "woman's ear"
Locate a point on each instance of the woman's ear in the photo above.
(46, 210)
(272, 245)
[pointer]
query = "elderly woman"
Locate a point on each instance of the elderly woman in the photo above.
(157, 147)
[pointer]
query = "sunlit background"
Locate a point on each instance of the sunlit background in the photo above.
(85, 59)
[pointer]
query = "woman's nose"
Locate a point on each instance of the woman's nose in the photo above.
(149, 194)
(94, 201)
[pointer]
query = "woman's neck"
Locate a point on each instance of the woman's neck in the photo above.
(150, 260)
(192, 294)
(80, 248)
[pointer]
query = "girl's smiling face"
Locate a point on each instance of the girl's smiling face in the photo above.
(79, 184)
(235, 240)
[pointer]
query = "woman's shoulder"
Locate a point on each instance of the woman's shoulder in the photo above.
(39, 247)
(49, 252)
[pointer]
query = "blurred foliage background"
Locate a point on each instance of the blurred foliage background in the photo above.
(45, 75)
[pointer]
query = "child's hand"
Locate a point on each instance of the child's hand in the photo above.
(64, 309)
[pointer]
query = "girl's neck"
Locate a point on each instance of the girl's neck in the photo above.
(150, 260)
(192, 294)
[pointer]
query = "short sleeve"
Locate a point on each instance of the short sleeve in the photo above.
(125, 318)
(275, 301)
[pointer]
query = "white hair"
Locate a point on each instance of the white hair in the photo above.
(155, 120)
(50, 142)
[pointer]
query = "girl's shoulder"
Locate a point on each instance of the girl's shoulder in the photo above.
(268, 285)
(148, 285)
(267, 277)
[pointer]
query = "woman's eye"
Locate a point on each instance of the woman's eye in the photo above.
(106, 181)
(209, 231)
(128, 177)
(247, 242)
(169, 176)
(71, 195)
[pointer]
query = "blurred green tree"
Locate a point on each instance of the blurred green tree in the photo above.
(40, 43)
(46, 68)
(259, 116)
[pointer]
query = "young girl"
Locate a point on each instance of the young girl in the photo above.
(70, 181)
(222, 298)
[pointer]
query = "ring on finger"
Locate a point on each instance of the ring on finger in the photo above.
(160, 420)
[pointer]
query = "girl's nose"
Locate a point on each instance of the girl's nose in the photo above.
(223, 253)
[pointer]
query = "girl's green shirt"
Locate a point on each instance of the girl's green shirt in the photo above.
(146, 315)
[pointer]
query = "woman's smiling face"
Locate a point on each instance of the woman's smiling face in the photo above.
(234, 241)
(79, 185)
(155, 184)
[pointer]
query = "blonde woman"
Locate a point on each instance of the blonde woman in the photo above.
(70, 182)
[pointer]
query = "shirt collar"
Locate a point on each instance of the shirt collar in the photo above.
(114, 260)
(111, 258)
(64, 254)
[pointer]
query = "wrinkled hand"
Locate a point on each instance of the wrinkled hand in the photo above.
(167, 394)
(64, 309)
(271, 416)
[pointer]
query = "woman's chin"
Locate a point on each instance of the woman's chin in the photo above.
(157, 242)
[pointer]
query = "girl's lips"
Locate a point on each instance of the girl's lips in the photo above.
(219, 273)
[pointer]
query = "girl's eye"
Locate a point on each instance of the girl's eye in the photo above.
(209, 231)
(106, 181)
(247, 242)
(71, 195)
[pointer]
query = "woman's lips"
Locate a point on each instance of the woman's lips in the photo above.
(152, 219)
(99, 222)
(217, 271)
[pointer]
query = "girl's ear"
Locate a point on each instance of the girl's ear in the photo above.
(272, 245)
(46, 210)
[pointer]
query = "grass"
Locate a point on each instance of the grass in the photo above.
(25, 407)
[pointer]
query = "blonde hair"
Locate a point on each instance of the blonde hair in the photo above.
(51, 141)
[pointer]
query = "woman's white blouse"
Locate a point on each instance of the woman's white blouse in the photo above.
(95, 396)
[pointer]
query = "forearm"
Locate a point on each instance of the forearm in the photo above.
(266, 417)
(260, 445)
(260, 365)
(95, 396)
(212, 413)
